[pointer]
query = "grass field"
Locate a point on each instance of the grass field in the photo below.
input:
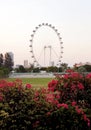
(35, 82)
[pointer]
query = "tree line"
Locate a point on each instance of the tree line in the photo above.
(62, 68)
(6, 64)
(22, 69)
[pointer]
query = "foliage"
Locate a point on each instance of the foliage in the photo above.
(1, 60)
(43, 69)
(61, 106)
(87, 67)
(81, 69)
(36, 70)
(64, 66)
(8, 63)
(74, 87)
(4, 72)
(21, 69)
(52, 69)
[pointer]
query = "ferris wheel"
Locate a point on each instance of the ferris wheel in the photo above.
(46, 46)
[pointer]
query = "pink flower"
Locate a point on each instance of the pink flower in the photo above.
(85, 117)
(75, 75)
(58, 96)
(66, 76)
(65, 85)
(50, 97)
(65, 105)
(80, 86)
(36, 94)
(52, 85)
(1, 98)
(88, 76)
(36, 99)
(62, 105)
(69, 71)
(10, 84)
(48, 113)
(2, 85)
(88, 122)
(28, 86)
(43, 90)
(73, 103)
(73, 87)
(51, 88)
(55, 102)
(79, 111)
(59, 105)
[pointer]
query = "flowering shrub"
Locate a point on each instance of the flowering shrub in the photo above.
(73, 87)
(65, 104)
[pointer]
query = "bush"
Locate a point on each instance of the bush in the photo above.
(4, 72)
(61, 106)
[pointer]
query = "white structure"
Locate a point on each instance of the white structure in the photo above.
(52, 63)
(26, 64)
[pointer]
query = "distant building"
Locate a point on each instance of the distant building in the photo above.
(26, 64)
(52, 63)
(87, 63)
(17, 66)
(81, 64)
(78, 64)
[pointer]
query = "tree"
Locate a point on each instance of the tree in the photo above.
(21, 69)
(8, 63)
(1, 60)
(81, 69)
(52, 69)
(36, 70)
(87, 67)
(64, 66)
(1, 73)
(4, 72)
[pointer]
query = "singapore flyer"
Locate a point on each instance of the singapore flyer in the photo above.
(46, 46)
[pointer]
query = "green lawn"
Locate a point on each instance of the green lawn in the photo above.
(35, 82)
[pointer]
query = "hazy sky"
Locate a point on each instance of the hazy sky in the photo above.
(72, 18)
